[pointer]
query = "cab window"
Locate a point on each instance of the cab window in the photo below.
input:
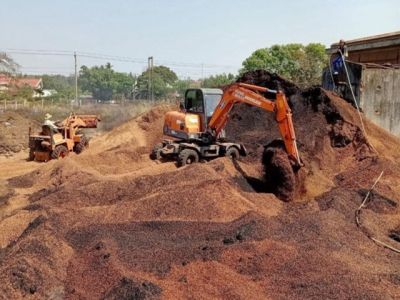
(194, 101)
(211, 101)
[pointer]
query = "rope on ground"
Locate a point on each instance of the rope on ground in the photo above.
(357, 213)
(365, 200)
(385, 245)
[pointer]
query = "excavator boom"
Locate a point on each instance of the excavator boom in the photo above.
(241, 92)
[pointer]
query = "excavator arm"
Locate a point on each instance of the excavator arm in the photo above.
(241, 92)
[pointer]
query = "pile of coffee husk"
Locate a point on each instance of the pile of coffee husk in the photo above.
(112, 224)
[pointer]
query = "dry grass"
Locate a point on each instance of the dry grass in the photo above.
(111, 115)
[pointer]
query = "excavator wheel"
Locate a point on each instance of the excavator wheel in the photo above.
(79, 147)
(187, 157)
(279, 176)
(156, 153)
(60, 152)
(232, 152)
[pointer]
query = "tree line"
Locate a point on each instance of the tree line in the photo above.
(301, 64)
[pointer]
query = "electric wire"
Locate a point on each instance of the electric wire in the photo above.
(113, 57)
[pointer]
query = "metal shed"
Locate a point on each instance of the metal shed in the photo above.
(373, 73)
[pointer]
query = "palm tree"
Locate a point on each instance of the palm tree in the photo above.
(7, 64)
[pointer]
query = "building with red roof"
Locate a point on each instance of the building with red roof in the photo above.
(12, 84)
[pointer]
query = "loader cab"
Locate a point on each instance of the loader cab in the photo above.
(203, 103)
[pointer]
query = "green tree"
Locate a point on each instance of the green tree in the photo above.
(57, 82)
(182, 85)
(68, 92)
(104, 83)
(7, 64)
(25, 91)
(218, 80)
(301, 64)
(163, 82)
(311, 65)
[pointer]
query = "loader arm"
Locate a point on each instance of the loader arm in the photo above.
(241, 92)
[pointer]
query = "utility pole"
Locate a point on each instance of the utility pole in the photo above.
(133, 88)
(150, 79)
(76, 81)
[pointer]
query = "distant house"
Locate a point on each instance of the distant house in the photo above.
(4, 82)
(13, 84)
(48, 93)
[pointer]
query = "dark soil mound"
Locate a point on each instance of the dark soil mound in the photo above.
(314, 112)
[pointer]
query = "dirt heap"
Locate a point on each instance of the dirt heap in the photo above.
(126, 148)
(14, 130)
(112, 224)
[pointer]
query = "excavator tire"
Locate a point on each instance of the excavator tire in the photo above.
(187, 157)
(232, 152)
(279, 176)
(60, 152)
(156, 153)
(79, 147)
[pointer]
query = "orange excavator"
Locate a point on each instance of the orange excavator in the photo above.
(198, 127)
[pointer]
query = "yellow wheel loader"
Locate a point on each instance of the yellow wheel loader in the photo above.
(56, 145)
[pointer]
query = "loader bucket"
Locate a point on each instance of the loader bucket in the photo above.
(90, 120)
(86, 121)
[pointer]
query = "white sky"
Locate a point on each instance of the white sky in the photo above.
(193, 38)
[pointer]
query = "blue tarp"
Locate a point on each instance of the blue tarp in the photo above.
(338, 65)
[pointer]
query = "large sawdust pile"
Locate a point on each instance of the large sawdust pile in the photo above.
(126, 148)
(112, 224)
(14, 130)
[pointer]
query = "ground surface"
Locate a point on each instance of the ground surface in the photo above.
(112, 224)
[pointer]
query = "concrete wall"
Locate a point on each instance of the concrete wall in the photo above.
(380, 98)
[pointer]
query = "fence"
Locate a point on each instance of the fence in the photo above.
(22, 103)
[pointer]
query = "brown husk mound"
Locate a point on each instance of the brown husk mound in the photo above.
(112, 224)
(14, 130)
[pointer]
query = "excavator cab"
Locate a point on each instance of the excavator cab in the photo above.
(202, 102)
(190, 123)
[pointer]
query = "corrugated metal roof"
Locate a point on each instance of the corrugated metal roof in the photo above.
(374, 38)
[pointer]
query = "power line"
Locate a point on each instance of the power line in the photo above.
(112, 57)
(48, 68)
(27, 50)
(180, 68)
